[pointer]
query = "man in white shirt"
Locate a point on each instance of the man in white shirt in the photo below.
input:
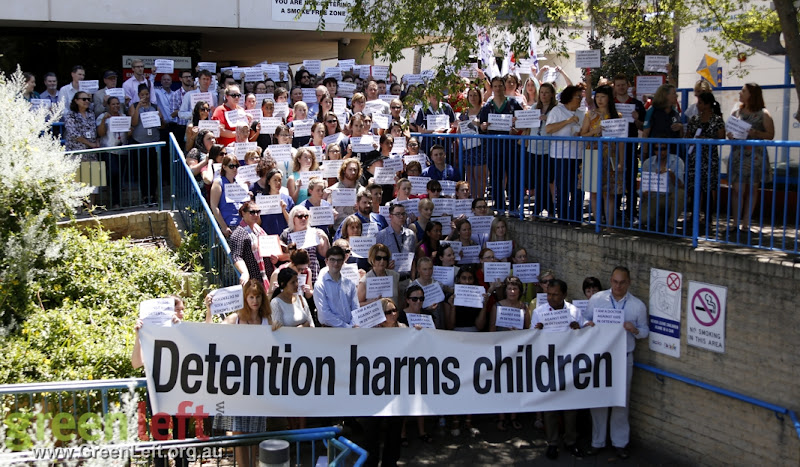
(635, 323)
(556, 293)
(68, 91)
(131, 85)
(164, 103)
(374, 104)
(51, 88)
(335, 296)
(203, 84)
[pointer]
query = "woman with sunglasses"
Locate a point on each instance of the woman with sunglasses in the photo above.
(80, 131)
(244, 247)
(201, 112)
(298, 222)
(213, 168)
(225, 212)
(379, 258)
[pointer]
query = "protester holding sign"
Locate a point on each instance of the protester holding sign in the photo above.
(256, 311)
(289, 306)
(244, 247)
(635, 323)
(663, 118)
(270, 185)
(543, 175)
(224, 114)
(111, 137)
(565, 156)
(137, 360)
(201, 112)
(80, 131)
(435, 303)
(315, 240)
(558, 315)
(663, 191)
(749, 165)
(604, 156)
(146, 130)
(379, 258)
(224, 208)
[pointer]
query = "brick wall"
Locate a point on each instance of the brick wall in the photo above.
(762, 356)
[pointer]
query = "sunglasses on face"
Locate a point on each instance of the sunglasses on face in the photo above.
(389, 312)
(235, 96)
(302, 216)
(233, 166)
(331, 121)
(382, 258)
(255, 212)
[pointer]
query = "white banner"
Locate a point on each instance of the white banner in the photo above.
(251, 370)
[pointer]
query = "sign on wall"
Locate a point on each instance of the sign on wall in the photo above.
(287, 10)
(705, 316)
(665, 312)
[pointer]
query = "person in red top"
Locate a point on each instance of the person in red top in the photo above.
(227, 130)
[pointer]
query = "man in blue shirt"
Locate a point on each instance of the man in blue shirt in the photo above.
(334, 295)
(440, 170)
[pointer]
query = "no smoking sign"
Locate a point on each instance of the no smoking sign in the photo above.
(706, 316)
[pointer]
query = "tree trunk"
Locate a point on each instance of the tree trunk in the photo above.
(787, 15)
(417, 67)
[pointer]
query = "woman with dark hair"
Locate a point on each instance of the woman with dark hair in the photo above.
(201, 111)
(430, 241)
(270, 185)
(80, 131)
(283, 136)
(215, 156)
(605, 156)
(256, 311)
(244, 246)
(748, 167)
(325, 106)
(707, 123)
(197, 158)
(565, 156)
(289, 307)
(543, 176)
(28, 92)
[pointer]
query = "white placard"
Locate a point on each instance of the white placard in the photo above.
(333, 72)
(528, 273)
(481, 224)
(196, 97)
(302, 128)
(388, 98)
(90, 86)
(381, 121)
(272, 71)
(380, 72)
(581, 305)
(442, 206)
(347, 64)
(269, 204)
(655, 182)
(467, 128)
(164, 65)
(343, 196)
(608, 316)
(255, 114)
(446, 222)
(253, 74)
(280, 152)
(399, 146)
(528, 118)
(411, 205)
(269, 125)
(462, 207)
(551, 75)
(664, 312)
(384, 176)
(307, 175)
(157, 311)
(378, 287)
(150, 119)
(369, 316)
(330, 169)
(500, 122)
(304, 238)
(614, 127)
(321, 215)
(626, 110)
(444, 275)
(233, 117)
(510, 317)
(455, 245)
(738, 127)
(587, 59)
(437, 122)
(469, 295)
(37, 104)
(260, 98)
(403, 261)
(657, 63)
(555, 320)
(312, 66)
(210, 66)
(376, 106)
(227, 300)
(541, 299)
(345, 90)
(332, 139)
(369, 228)
(648, 84)
(433, 294)
(414, 79)
(119, 93)
(269, 245)
(119, 124)
(359, 246)
(281, 110)
(247, 174)
(496, 270)
(212, 125)
(705, 316)
(350, 272)
(421, 158)
(448, 187)
(501, 249)
(469, 254)
(419, 185)
(393, 163)
(363, 144)
(236, 193)
(240, 149)
(421, 320)
(310, 96)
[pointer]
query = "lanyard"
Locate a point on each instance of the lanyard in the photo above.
(394, 235)
(613, 304)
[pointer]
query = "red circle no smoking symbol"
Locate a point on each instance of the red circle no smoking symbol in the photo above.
(706, 307)
(673, 281)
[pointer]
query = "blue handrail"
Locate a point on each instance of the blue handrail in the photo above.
(725, 392)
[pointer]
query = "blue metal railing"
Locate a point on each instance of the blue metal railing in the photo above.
(700, 205)
(124, 176)
(189, 200)
(779, 411)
